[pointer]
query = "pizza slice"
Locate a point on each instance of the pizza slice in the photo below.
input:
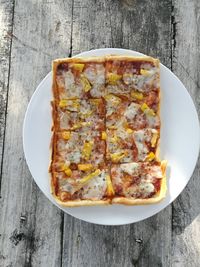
(138, 183)
(77, 150)
(132, 77)
(78, 78)
(82, 187)
(130, 115)
(126, 145)
(77, 114)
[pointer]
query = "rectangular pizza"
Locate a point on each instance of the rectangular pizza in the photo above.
(106, 131)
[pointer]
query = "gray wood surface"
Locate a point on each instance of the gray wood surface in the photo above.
(32, 231)
(186, 56)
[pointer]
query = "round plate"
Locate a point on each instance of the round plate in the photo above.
(179, 145)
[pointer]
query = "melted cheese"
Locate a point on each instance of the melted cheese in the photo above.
(156, 172)
(74, 156)
(130, 168)
(140, 139)
(131, 111)
(95, 188)
(69, 79)
(146, 188)
(96, 76)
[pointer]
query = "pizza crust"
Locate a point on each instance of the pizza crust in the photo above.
(115, 200)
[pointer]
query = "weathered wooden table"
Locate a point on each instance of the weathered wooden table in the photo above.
(33, 232)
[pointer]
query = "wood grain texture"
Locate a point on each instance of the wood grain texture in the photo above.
(32, 231)
(186, 56)
(6, 19)
(30, 226)
(124, 24)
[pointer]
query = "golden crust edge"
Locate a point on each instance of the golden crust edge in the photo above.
(135, 58)
(94, 59)
(103, 59)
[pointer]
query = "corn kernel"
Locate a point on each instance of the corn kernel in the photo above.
(147, 110)
(113, 98)
(154, 139)
(87, 150)
(144, 72)
(129, 131)
(66, 135)
(63, 103)
(78, 66)
(103, 135)
(63, 166)
(113, 78)
(89, 176)
(115, 157)
(110, 189)
(68, 172)
(137, 95)
(150, 156)
(85, 167)
(86, 84)
(114, 139)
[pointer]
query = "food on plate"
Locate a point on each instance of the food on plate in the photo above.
(106, 131)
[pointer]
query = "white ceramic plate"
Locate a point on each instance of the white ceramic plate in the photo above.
(179, 145)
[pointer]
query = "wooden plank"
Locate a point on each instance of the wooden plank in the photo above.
(186, 209)
(144, 26)
(30, 226)
(6, 18)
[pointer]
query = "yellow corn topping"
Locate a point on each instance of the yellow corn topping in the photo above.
(86, 115)
(150, 156)
(144, 72)
(114, 139)
(111, 127)
(66, 169)
(77, 126)
(129, 131)
(110, 189)
(95, 101)
(87, 149)
(78, 66)
(85, 167)
(154, 139)
(75, 103)
(63, 103)
(68, 172)
(137, 95)
(113, 78)
(115, 157)
(63, 166)
(112, 98)
(66, 135)
(86, 84)
(80, 124)
(89, 176)
(147, 110)
(103, 135)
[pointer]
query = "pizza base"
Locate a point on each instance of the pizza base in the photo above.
(116, 200)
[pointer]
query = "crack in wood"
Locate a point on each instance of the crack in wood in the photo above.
(7, 92)
(71, 39)
(173, 33)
